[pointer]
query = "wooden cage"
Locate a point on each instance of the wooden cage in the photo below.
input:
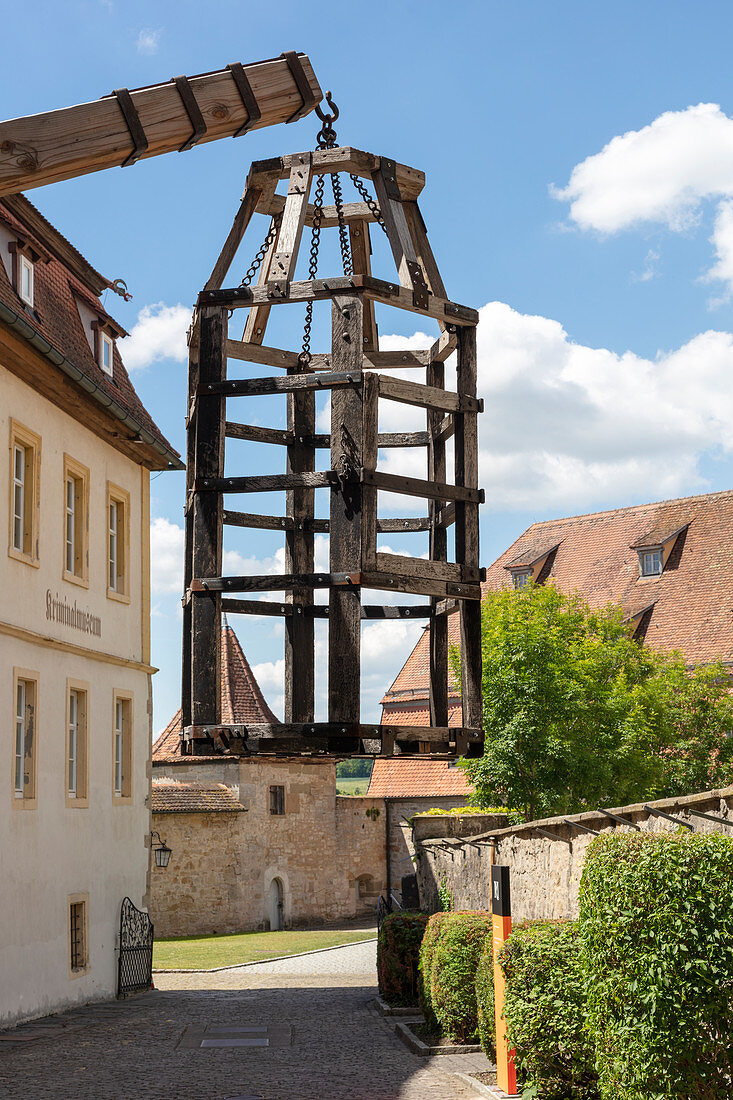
(350, 372)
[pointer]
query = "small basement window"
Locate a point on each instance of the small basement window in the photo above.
(650, 562)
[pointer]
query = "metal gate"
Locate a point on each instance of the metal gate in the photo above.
(135, 967)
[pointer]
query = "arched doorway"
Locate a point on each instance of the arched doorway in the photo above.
(276, 905)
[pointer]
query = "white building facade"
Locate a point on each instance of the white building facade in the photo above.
(76, 451)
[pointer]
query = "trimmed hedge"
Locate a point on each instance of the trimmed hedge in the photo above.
(485, 1000)
(453, 973)
(398, 953)
(425, 965)
(657, 951)
(544, 1008)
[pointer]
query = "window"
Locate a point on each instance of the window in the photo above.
(25, 458)
(122, 747)
(118, 542)
(277, 801)
(106, 353)
(76, 522)
(650, 563)
(25, 279)
(24, 752)
(78, 934)
(521, 580)
(76, 745)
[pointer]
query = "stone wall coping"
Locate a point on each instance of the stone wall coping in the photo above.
(678, 802)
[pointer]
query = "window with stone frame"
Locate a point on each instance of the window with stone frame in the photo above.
(78, 926)
(122, 747)
(277, 800)
(76, 522)
(25, 464)
(25, 763)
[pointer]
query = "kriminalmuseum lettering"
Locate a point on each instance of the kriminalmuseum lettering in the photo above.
(61, 611)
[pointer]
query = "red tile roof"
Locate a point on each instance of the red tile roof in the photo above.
(242, 701)
(169, 796)
(596, 556)
(411, 777)
(55, 316)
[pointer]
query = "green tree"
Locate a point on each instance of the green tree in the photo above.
(576, 714)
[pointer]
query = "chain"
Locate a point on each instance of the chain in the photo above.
(305, 355)
(371, 203)
(262, 252)
(346, 259)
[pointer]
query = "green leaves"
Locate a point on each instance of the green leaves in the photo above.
(576, 714)
(656, 921)
(398, 951)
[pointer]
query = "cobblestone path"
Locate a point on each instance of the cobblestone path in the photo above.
(327, 1042)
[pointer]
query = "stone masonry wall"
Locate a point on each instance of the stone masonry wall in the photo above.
(545, 873)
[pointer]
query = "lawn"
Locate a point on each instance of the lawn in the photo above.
(205, 952)
(352, 784)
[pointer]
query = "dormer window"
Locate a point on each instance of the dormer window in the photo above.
(104, 332)
(521, 580)
(25, 278)
(533, 564)
(106, 354)
(650, 562)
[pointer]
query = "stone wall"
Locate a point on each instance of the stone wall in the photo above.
(545, 871)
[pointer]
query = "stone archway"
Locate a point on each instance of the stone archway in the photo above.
(276, 905)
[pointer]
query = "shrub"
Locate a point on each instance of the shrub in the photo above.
(544, 1008)
(657, 952)
(398, 952)
(485, 1000)
(425, 966)
(453, 973)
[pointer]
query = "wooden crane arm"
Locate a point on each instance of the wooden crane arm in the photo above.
(129, 125)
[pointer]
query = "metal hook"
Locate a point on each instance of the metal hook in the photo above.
(328, 119)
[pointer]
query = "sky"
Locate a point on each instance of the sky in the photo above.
(579, 162)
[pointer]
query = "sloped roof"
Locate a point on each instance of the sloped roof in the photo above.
(692, 599)
(242, 701)
(55, 316)
(413, 777)
(170, 796)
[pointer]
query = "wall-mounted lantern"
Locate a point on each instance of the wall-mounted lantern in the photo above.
(161, 851)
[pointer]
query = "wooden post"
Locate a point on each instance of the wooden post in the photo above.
(361, 255)
(207, 519)
(299, 548)
(467, 531)
(193, 381)
(345, 528)
(370, 452)
(501, 922)
(438, 552)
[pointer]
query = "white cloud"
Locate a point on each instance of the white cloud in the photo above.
(158, 333)
(148, 41)
(661, 175)
(166, 557)
(567, 425)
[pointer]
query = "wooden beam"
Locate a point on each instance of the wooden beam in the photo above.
(428, 397)
(256, 607)
(258, 387)
(255, 434)
(416, 487)
(361, 260)
(254, 519)
(344, 158)
(58, 145)
(186, 669)
(247, 207)
(398, 231)
(293, 220)
(401, 565)
(346, 517)
(438, 550)
(467, 529)
(266, 483)
(206, 526)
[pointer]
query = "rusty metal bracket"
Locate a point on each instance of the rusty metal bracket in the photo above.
(249, 100)
(292, 59)
(188, 99)
(388, 172)
(420, 292)
(133, 123)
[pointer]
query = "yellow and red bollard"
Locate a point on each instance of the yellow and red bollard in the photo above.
(501, 921)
